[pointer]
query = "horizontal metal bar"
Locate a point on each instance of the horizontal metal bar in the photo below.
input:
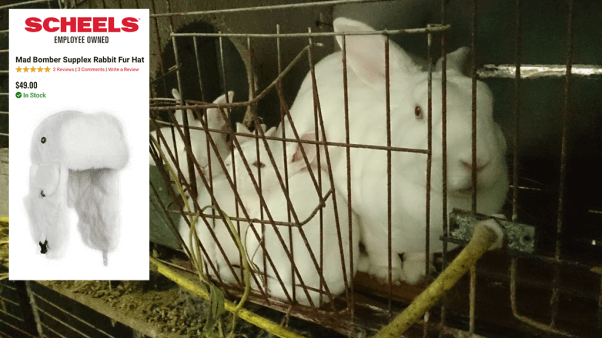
(24, 3)
(431, 29)
(3, 50)
(3, 113)
(265, 8)
(4, 31)
(508, 71)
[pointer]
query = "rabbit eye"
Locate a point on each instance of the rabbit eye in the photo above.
(43, 140)
(418, 112)
(258, 164)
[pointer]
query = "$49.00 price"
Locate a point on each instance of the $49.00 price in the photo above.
(26, 85)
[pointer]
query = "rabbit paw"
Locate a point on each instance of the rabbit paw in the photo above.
(363, 264)
(382, 273)
(413, 267)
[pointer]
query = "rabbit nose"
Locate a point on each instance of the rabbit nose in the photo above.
(480, 164)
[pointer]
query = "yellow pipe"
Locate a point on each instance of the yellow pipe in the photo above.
(3, 219)
(480, 242)
(243, 313)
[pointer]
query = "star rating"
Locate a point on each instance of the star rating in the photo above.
(40, 69)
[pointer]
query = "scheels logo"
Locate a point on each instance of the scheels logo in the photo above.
(81, 25)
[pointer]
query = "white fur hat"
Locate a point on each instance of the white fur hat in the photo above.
(74, 162)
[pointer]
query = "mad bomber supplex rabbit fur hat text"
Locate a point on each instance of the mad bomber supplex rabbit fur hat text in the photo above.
(75, 158)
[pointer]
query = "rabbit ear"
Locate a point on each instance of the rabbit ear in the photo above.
(457, 60)
(176, 94)
(178, 114)
(214, 117)
(270, 132)
(222, 98)
(240, 128)
(366, 53)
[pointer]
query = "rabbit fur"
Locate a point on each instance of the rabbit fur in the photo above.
(198, 139)
(408, 113)
(304, 199)
(74, 163)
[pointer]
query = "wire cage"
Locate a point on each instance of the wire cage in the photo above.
(366, 304)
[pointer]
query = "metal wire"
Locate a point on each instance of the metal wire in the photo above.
(563, 164)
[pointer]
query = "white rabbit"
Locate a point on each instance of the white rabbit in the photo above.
(304, 199)
(198, 139)
(226, 201)
(408, 112)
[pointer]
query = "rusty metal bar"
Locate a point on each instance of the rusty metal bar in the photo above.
(198, 68)
(563, 162)
(275, 7)
(429, 159)
(159, 44)
(264, 206)
(473, 272)
(443, 156)
(474, 104)
(515, 184)
(389, 207)
(348, 171)
(320, 123)
(472, 299)
(325, 143)
(531, 322)
(23, 3)
(599, 316)
(257, 97)
(316, 102)
(534, 71)
(433, 29)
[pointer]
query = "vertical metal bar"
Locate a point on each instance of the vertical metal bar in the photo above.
(198, 67)
(348, 159)
(389, 207)
(599, 317)
(516, 113)
(257, 126)
(187, 142)
(473, 272)
(474, 105)
(429, 158)
(159, 52)
(34, 309)
(284, 151)
(318, 108)
(318, 160)
(294, 214)
(563, 164)
(443, 155)
(473, 297)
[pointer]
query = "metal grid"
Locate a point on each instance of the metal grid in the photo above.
(29, 309)
(349, 304)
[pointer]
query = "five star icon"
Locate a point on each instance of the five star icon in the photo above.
(33, 69)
